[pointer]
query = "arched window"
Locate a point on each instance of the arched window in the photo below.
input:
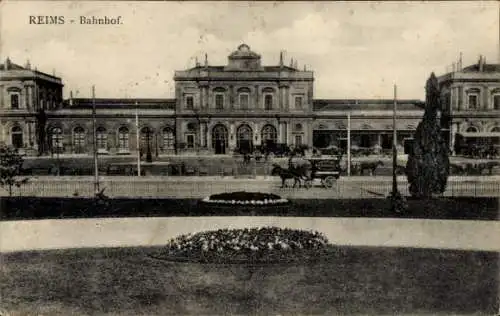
(79, 140)
(57, 139)
(244, 138)
(17, 137)
(472, 129)
(123, 139)
(101, 138)
(146, 138)
(168, 138)
(220, 139)
(495, 129)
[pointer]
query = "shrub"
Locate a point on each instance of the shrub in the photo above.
(428, 164)
(268, 244)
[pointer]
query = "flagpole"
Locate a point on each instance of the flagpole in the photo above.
(394, 144)
(138, 141)
(94, 123)
(349, 143)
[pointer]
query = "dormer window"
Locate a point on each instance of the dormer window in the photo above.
(189, 102)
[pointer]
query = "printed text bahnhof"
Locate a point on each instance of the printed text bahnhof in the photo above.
(60, 19)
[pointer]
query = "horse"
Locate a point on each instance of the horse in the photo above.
(285, 174)
(301, 167)
(371, 166)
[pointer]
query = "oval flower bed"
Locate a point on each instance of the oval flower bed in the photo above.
(249, 245)
(245, 198)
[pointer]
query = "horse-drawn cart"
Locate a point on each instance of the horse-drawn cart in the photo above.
(327, 170)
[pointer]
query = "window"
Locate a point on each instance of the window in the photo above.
(101, 139)
(244, 100)
(496, 102)
(123, 139)
(472, 129)
(219, 101)
(473, 101)
(298, 140)
(495, 129)
(298, 102)
(190, 140)
(298, 127)
(78, 140)
(14, 101)
(17, 137)
(168, 138)
(268, 102)
(189, 102)
(57, 139)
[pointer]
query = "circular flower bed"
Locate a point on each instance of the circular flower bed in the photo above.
(249, 245)
(245, 198)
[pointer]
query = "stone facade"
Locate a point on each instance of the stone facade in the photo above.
(240, 106)
(243, 105)
(471, 104)
(24, 93)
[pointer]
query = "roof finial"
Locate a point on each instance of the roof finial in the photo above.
(305, 67)
(206, 60)
(291, 63)
(281, 58)
(28, 64)
(460, 62)
(196, 63)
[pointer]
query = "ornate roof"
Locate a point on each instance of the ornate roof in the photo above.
(245, 52)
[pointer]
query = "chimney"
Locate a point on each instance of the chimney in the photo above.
(28, 65)
(480, 63)
(454, 67)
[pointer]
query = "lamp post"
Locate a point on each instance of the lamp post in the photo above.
(394, 146)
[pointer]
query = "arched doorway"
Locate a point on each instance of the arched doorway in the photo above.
(244, 139)
(269, 137)
(219, 139)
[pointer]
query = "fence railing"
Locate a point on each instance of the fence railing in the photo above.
(353, 187)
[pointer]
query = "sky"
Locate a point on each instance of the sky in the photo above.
(356, 49)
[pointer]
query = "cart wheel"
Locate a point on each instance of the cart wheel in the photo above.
(329, 182)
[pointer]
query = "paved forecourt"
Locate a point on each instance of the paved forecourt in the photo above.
(199, 187)
(130, 232)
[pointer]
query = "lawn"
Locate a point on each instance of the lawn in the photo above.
(349, 280)
(440, 208)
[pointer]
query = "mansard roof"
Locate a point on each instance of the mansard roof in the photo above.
(366, 104)
(118, 103)
(486, 68)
